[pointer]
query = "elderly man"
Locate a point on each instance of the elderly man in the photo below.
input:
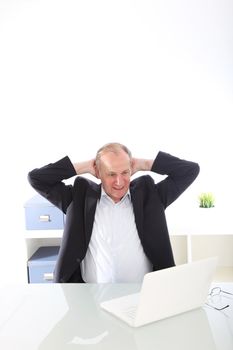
(114, 231)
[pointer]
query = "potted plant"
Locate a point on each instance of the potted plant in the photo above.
(206, 200)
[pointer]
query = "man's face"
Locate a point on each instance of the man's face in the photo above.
(114, 171)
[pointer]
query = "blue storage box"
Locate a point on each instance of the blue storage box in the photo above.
(41, 265)
(40, 214)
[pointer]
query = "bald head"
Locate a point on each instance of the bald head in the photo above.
(114, 147)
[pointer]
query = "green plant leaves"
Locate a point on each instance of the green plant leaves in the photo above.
(206, 200)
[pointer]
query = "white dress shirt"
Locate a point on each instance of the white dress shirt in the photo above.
(115, 253)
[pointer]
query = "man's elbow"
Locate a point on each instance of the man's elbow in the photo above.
(196, 169)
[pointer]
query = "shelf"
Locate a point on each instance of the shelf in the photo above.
(224, 274)
(35, 243)
(196, 247)
(206, 246)
(31, 234)
(199, 221)
(195, 233)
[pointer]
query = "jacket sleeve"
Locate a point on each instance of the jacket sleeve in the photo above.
(180, 175)
(48, 182)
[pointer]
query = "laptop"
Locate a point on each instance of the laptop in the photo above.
(165, 293)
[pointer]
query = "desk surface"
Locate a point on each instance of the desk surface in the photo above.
(67, 316)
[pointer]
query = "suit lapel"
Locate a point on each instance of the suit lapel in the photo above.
(137, 201)
(92, 197)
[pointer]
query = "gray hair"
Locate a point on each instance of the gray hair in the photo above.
(114, 147)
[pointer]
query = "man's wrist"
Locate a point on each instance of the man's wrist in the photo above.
(148, 164)
(81, 167)
(141, 164)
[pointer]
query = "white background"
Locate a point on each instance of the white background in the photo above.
(155, 75)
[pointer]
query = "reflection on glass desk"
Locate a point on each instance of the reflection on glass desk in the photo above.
(68, 316)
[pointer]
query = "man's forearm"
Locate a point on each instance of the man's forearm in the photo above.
(86, 167)
(46, 178)
(141, 164)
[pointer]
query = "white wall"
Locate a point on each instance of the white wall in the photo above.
(77, 74)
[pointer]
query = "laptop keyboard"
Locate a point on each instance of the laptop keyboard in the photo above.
(130, 312)
(125, 307)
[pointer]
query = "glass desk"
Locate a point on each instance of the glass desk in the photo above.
(68, 316)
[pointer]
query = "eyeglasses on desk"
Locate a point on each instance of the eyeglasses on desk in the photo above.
(216, 291)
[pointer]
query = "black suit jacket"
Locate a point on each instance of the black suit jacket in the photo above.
(78, 202)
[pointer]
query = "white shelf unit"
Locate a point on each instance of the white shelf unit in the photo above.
(195, 234)
(200, 233)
